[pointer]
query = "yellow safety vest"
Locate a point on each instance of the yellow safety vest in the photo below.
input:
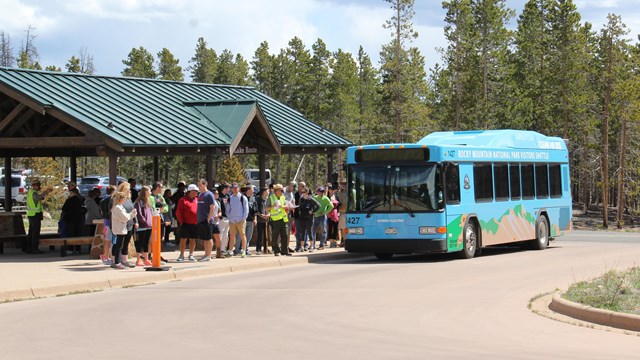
(279, 213)
(32, 208)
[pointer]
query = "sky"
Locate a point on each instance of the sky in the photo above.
(109, 29)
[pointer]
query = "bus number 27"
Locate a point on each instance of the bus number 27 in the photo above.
(353, 220)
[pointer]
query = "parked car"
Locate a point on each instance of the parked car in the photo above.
(18, 189)
(95, 181)
(252, 177)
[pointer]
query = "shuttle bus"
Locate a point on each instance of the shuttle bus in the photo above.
(458, 192)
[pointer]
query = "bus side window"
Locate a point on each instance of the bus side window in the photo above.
(514, 180)
(452, 183)
(528, 181)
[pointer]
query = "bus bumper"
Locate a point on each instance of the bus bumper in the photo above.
(396, 246)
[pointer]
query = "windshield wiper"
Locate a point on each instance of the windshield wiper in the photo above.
(373, 207)
(405, 206)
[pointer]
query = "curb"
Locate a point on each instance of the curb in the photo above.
(167, 276)
(598, 316)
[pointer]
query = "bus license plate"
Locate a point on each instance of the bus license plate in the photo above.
(391, 230)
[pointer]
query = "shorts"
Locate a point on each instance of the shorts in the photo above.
(205, 230)
(342, 221)
(188, 231)
(239, 227)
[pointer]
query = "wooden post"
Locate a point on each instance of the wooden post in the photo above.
(7, 184)
(209, 169)
(156, 172)
(262, 167)
(113, 169)
(73, 164)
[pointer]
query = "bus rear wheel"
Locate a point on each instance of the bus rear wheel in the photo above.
(542, 235)
(383, 256)
(469, 241)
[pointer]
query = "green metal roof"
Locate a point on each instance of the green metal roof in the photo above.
(144, 112)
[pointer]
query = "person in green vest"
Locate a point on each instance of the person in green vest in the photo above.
(278, 210)
(34, 214)
(320, 219)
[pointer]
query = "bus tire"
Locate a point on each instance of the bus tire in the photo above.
(383, 256)
(469, 241)
(542, 235)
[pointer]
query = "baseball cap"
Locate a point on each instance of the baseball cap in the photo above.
(192, 187)
(320, 189)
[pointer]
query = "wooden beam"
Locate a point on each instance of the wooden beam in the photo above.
(53, 128)
(19, 122)
(47, 142)
(83, 128)
(39, 108)
(12, 115)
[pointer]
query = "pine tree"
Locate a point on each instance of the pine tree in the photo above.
(53, 68)
(7, 58)
(28, 58)
(368, 117)
(232, 170)
(404, 86)
(203, 64)
(262, 69)
(73, 65)
(168, 68)
(139, 63)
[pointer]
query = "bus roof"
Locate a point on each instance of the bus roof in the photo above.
(515, 139)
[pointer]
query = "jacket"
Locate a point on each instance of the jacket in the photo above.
(119, 219)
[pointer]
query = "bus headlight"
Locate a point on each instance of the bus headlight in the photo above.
(427, 230)
(356, 230)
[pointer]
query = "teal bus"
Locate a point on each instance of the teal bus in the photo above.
(458, 192)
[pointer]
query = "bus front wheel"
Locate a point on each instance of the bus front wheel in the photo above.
(383, 256)
(542, 235)
(469, 242)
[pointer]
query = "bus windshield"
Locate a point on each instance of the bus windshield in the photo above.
(394, 188)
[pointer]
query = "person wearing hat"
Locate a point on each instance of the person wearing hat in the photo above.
(175, 198)
(277, 208)
(34, 214)
(320, 219)
(187, 215)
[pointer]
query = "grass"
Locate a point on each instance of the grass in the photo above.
(614, 290)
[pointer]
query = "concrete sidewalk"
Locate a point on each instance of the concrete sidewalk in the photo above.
(24, 276)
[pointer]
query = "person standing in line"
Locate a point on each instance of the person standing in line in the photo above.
(167, 218)
(277, 207)
(157, 202)
(262, 216)
(289, 194)
(237, 213)
(333, 217)
(93, 212)
(73, 217)
(320, 219)
(308, 206)
(216, 223)
(132, 225)
(134, 192)
(223, 191)
(187, 214)
(342, 221)
(252, 221)
(145, 225)
(206, 214)
(119, 220)
(175, 198)
(107, 240)
(300, 236)
(34, 215)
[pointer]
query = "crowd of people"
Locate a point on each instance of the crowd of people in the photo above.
(224, 218)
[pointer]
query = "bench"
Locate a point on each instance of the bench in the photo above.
(22, 239)
(69, 241)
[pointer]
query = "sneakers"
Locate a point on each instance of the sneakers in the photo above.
(180, 258)
(148, 263)
(298, 250)
(205, 259)
(128, 264)
(311, 250)
(192, 258)
(108, 262)
(228, 254)
(118, 266)
(258, 253)
(139, 262)
(219, 256)
(321, 248)
(243, 254)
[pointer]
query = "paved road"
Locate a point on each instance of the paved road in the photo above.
(411, 307)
